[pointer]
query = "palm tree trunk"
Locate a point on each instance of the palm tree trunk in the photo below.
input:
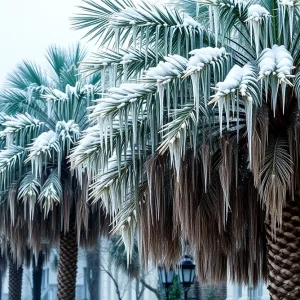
(15, 281)
(284, 255)
(67, 267)
(93, 271)
(37, 274)
(1, 284)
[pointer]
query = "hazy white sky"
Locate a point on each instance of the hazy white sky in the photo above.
(27, 27)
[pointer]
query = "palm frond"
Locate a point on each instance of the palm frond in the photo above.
(27, 73)
(21, 128)
(46, 146)
(28, 192)
(11, 164)
(275, 178)
(96, 16)
(51, 192)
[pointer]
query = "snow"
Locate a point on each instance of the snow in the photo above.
(277, 64)
(237, 82)
(258, 19)
(172, 67)
(198, 69)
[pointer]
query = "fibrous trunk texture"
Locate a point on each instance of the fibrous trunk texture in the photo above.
(284, 255)
(67, 267)
(15, 281)
(37, 274)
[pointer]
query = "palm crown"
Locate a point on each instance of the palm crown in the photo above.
(43, 113)
(196, 134)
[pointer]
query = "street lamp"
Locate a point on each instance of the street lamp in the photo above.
(166, 277)
(186, 272)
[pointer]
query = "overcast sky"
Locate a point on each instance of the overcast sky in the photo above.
(27, 27)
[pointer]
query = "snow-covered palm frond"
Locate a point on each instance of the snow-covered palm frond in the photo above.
(11, 164)
(286, 13)
(203, 62)
(128, 99)
(68, 133)
(46, 146)
(51, 192)
(112, 184)
(21, 128)
(276, 65)
(95, 148)
(228, 13)
(259, 19)
(143, 24)
(210, 163)
(240, 83)
(156, 25)
(127, 63)
(173, 67)
(71, 103)
(168, 75)
(176, 134)
(96, 16)
(28, 192)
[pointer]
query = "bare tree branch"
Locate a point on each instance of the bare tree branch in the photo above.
(150, 288)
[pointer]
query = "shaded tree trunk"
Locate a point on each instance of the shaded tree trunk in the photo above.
(93, 272)
(15, 281)
(284, 255)
(37, 274)
(67, 267)
(1, 284)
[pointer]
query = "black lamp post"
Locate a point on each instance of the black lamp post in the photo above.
(186, 272)
(166, 277)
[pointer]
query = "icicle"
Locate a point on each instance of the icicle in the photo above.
(196, 90)
(172, 29)
(291, 20)
(156, 42)
(9, 140)
(249, 112)
(125, 69)
(257, 17)
(166, 34)
(134, 32)
(216, 23)
(147, 45)
(161, 94)
(117, 38)
(283, 89)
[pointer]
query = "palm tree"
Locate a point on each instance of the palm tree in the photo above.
(44, 111)
(201, 145)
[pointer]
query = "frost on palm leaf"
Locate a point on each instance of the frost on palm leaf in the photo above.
(163, 74)
(287, 9)
(240, 83)
(44, 147)
(259, 20)
(276, 65)
(203, 64)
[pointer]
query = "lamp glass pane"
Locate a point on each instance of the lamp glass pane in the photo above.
(180, 275)
(186, 275)
(170, 276)
(164, 276)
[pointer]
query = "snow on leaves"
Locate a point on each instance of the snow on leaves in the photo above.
(241, 82)
(259, 20)
(276, 65)
(199, 68)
